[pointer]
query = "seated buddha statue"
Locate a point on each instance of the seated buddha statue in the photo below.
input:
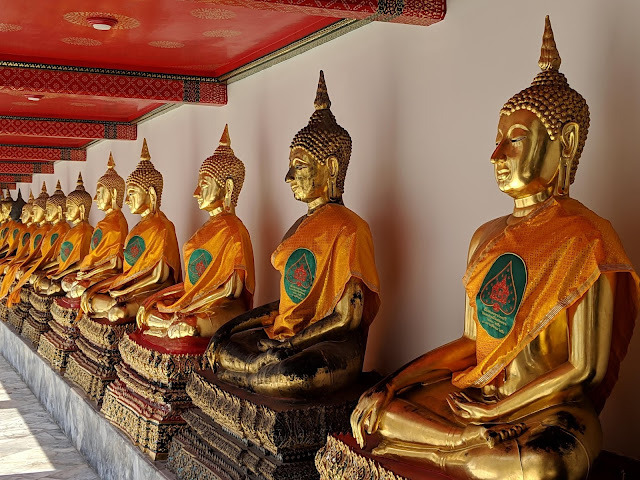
(48, 236)
(218, 258)
(75, 244)
(9, 264)
(551, 302)
(151, 255)
(312, 340)
(12, 227)
(104, 259)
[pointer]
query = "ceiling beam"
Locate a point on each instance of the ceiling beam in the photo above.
(15, 178)
(26, 168)
(36, 78)
(51, 127)
(49, 154)
(414, 12)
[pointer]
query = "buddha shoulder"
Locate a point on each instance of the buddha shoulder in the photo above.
(486, 232)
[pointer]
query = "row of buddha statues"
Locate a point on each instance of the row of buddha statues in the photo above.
(551, 303)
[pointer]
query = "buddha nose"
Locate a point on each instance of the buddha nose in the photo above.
(289, 176)
(498, 154)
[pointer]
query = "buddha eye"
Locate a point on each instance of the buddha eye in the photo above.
(518, 139)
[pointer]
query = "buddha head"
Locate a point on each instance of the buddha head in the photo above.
(6, 203)
(16, 207)
(56, 205)
(220, 178)
(40, 206)
(78, 203)
(541, 132)
(27, 210)
(319, 154)
(144, 185)
(110, 188)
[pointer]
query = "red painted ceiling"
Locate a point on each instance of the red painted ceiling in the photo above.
(178, 47)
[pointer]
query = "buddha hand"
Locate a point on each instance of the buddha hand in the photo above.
(182, 329)
(366, 416)
(467, 408)
(266, 344)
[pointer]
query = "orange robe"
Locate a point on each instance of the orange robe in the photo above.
(25, 247)
(107, 241)
(153, 239)
(49, 248)
(74, 246)
(219, 248)
(316, 262)
(522, 279)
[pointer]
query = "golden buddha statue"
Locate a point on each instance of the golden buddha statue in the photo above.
(23, 226)
(314, 339)
(12, 226)
(152, 257)
(75, 244)
(209, 297)
(49, 237)
(105, 256)
(551, 302)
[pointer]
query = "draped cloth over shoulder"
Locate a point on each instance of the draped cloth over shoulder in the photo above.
(219, 248)
(565, 247)
(107, 241)
(328, 248)
(153, 239)
(49, 248)
(27, 244)
(75, 245)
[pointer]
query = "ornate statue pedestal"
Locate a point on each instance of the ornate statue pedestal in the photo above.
(92, 367)
(4, 310)
(148, 398)
(342, 459)
(17, 314)
(237, 435)
(37, 323)
(57, 344)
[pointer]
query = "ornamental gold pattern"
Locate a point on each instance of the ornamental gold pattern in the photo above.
(551, 98)
(58, 199)
(224, 164)
(80, 197)
(323, 137)
(145, 175)
(112, 180)
(41, 201)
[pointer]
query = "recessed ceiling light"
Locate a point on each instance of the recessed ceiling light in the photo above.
(34, 98)
(102, 23)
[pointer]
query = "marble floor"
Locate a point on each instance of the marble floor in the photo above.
(32, 446)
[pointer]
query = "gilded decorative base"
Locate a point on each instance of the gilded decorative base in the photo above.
(235, 434)
(92, 367)
(4, 310)
(149, 396)
(17, 315)
(57, 344)
(34, 326)
(342, 459)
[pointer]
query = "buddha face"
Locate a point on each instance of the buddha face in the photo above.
(53, 213)
(138, 200)
(103, 198)
(73, 212)
(37, 214)
(307, 176)
(208, 193)
(525, 160)
(25, 215)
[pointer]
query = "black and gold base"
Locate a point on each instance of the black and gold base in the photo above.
(57, 344)
(234, 434)
(92, 366)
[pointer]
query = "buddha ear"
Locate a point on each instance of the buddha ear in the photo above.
(333, 165)
(83, 211)
(568, 148)
(154, 199)
(114, 197)
(228, 194)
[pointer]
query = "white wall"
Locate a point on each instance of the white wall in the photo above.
(421, 105)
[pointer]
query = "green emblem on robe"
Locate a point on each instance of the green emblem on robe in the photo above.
(500, 295)
(54, 237)
(65, 250)
(25, 238)
(198, 263)
(135, 248)
(36, 240)
(15, 233)
(299, 274)
(96, 238)
(5, 230)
